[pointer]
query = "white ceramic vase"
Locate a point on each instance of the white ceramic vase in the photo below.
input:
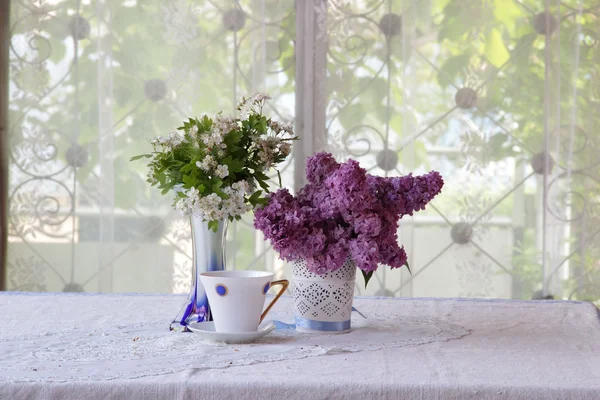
(323, 303)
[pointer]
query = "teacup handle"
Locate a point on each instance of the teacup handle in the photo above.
(284, 283)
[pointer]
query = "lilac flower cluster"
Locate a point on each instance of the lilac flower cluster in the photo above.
(343, 211)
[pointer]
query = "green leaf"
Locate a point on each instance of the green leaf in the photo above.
(261, 175)
(205, 124)
(233, 165)
(213, 225)
(184, 128)
(216, 188)
(373, 89)
(525, 46)
(233, 138)
(439, 5)
(264, 185)
(408, 267)
(498, 141)
(509, 14)
(495, 49)
(190, 181)
(455, 26)
(452, 68)
(279, 177)
(255, 198)
(58, 51)
(367, 276)
(352, 115)
(140, 156)
(260, 125)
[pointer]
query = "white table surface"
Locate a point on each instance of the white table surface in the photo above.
(515, 350)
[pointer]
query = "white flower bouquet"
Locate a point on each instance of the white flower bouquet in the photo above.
(218, 166)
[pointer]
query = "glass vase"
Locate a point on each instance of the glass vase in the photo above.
(208, 255)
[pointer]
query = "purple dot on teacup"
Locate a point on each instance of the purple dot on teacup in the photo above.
(266, 288)
(221, 289)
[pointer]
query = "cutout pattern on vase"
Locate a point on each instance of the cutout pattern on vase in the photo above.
(323, 298)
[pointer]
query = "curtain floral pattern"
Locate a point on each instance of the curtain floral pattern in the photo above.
(499, 96)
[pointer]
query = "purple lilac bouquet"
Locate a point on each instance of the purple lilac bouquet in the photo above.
(343, 211)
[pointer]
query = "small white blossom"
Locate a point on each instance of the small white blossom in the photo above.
(284, 148)
(246, 106)
(222, 125)
(182, 206)
(275, 126)
(170, 142)
(175, 139)
(243, 102)
(266, 150)
(207, 164)
(245, 109)
(279, 127)
(193, 130)
(214, 139)
(241, 186)
(212, 207)
(222, 171)
(258, 97)
(193, 192)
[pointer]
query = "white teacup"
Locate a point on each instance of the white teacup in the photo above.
(237, 298)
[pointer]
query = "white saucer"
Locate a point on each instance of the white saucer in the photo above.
(206, 330)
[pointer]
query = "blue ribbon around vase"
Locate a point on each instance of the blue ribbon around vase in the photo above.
(317, 325)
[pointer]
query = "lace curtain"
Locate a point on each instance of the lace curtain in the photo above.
(499, 96)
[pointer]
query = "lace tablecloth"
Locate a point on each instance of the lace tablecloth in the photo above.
(73, 346)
